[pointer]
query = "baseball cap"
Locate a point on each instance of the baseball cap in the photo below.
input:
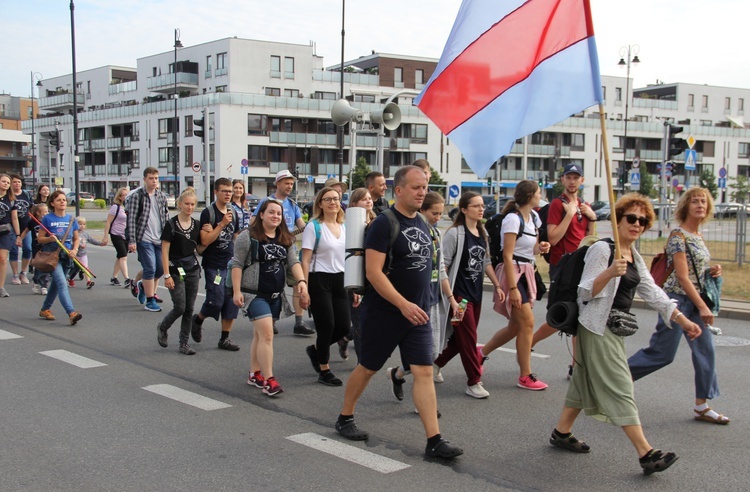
(333, 182)
(573, 168)
(284, 174)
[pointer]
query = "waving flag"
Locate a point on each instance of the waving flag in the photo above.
(511, 68)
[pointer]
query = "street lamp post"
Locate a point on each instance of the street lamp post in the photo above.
(75, 158)
(628, 55)
(39, 78)
(176, 170)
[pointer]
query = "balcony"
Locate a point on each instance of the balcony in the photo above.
(221, 71)
(95, 144)
(123, 87)
(61, 102)
(165, 84)
(118, 142)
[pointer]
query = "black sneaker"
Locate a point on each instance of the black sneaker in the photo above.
(186, 349)
(302, 330)
(350, 431)
(162, 337)
(443, 449)
(344, 348)
(327, 378)
(227, 344)
(196, 330)
(158, 299)
(398, 384)
(128, 282)
(114, 281)
(312, 353)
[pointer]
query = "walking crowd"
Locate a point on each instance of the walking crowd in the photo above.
(423, 290)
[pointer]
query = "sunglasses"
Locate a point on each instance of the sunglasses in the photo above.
(632, 219)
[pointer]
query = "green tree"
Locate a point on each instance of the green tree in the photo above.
(435, 178)
(361, 169)
(647, 185)
(707, 180)
(740, 187)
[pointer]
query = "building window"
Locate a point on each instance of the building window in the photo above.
(604, 93)
(256, 124)
(740, 104)
(221, 64)
(281, 125)
(326, 127)
(275, 66)
(221, 88)
(189, 125)
(330, 96)
(418, 78)
(705, 102)
(208, 63)
(618, 94)
(691, 101)
(165, 156)
(291, 92)
(743, 149)
(708, 149)
(418, 134)
(577, 141)
(727, 103)
(188, 155)
(706, 123)
(165, 127)
(288, 67)
(257, 155)
(398, 77)
(273, 91)
(366, 98)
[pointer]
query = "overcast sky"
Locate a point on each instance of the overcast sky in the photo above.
(692, 41)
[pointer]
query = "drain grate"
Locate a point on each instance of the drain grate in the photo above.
(723, 341)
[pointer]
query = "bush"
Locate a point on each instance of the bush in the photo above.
(100, 203)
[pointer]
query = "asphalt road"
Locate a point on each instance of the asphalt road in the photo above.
(110, 427)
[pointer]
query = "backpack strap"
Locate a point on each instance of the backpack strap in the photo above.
(316, 226)
(211, 214)
(394, 227)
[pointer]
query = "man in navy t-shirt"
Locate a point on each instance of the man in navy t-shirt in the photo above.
(395, 310)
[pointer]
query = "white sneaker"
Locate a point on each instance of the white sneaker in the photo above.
(23, 278)
(36, 289)
(16, 280)
(436, 374)
(477, 391)
(44, 291)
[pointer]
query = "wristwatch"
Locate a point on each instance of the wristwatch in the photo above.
(167, 276)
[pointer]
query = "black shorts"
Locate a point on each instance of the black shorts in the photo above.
(120, 245)
(523, 288)
(381, 336)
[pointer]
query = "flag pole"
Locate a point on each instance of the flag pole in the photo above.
(610, 190)
(88, 272)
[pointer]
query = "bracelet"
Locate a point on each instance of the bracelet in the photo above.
(498, 286)
(515, 287)
(450, 296)
(298, 281)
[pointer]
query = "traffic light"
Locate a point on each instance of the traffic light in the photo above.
(489, 181)
(621, 173)
(675, 145)
(54, 140)
(201, 131)
(295, 172)
(546, 180)
(540, 182)
(62, 166)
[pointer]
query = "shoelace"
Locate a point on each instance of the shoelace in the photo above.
(533, 377)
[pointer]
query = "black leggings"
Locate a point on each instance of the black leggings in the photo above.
(329, 304)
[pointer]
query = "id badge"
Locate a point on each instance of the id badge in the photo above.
(434, 276)
(217, 280)
(181, 271)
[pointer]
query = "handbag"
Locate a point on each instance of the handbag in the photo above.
(661, 268)
(46, 261)
(622, 323)
(704, 296)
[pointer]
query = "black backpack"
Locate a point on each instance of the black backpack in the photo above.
(493, 227)
(562, 305)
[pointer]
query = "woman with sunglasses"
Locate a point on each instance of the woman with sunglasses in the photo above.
(323, 255)
(263, 254)
(467, 260)
(519, 239)
(690, 258)
(601, 382)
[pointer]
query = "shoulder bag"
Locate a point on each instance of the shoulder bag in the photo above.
(46, 261)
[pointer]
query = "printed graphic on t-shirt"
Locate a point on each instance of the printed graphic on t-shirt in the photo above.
(4, 209)
(419, 248)
(23, 208)
(271, 256)
(476, 263)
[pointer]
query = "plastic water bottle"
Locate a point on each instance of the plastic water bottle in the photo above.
(461, 309)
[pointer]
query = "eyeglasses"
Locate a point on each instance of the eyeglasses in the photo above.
(632, 219)
(478, 205)
(226, 191)
(330, 199)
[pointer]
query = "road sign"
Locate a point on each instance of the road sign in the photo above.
(244, 163)
(675, 182)
(635, 181)
(668, 174)
(723, 183)
(690, 156)
(243, 170)
(636, 163)
(723, 172)
(310, 179)
(453, 191)
(196, 167)
(690, 141)
(331, 176)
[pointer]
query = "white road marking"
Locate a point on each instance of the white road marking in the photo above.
(6, 335)
(74, 359)
(513, 351)
(349, 453)
(186, 397)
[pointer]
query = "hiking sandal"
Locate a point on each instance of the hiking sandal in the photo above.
(721, 419)
(570, 443)
(656, 461)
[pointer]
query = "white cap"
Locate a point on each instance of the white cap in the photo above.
(284, 174)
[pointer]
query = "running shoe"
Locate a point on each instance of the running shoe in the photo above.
(272, 388)
(256, 379)
(141, 293)
(36, 289)
(157, 298)
(531, 382)
(3, 292)
(16, 280)
(134, 288)
(44, 291)
(114, 281)
(152, 306)
(24, 279)
(226, 344)
(71, 282)
(477, 391)
(186, 349)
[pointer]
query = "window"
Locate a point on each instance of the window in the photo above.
(188, 155)
(706, 123)
(275, 66)
(398, 77)
(727, 103)
(256, 124)
(257, 155)
(618, 94)
(165, 156)
(221, 64)
(221, 88)
(291, 92)
(273, 91)
(743, 149)
(165, 127)
(707, 148)
(604, 93)
(704, 99)
(288, 67)
(576, 141)
(418, 78)
(418, 134)
(330, 96)
(281, 125)
(366, 98)
(691, 101)
(189, 125)
(740, 104)
(326, 127)
(208, 63)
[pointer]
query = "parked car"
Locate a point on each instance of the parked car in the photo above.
(597, 205)
(489, 203)
(252, 201)
(603, 213)
(83, 196)
(171, 201)
(729, 210)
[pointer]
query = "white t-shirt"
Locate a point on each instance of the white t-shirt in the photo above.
(525, 242)
(330, 257)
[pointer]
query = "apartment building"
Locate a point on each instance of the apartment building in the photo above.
(14, 145)
(266, 107)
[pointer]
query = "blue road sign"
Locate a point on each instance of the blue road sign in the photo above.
(243, 170)
(453, 191)
(690, 157)
(635, 179)
(723, 172)
(310, 179)
(723, 183)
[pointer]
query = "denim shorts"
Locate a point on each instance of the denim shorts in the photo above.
(219, 302)
(7, 240)
(261, 307)
(149, 255)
